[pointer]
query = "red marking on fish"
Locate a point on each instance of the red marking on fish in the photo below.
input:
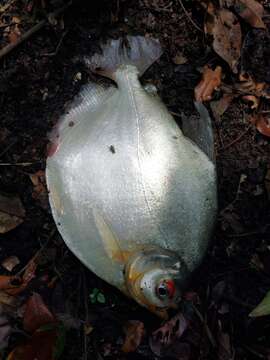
(52, 148)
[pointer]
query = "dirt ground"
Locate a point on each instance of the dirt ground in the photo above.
(37, 81)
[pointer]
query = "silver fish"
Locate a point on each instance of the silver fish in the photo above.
(132, 196)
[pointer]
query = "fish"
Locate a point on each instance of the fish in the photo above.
(133, 195)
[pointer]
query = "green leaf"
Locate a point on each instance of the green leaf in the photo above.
(101, 298)
(93, 295)
(263, 308)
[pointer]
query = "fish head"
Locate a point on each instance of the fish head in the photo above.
(155, 278)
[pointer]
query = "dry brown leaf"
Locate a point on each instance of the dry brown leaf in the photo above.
(28, 275)
(15, 33)
(179, 59)
(40, 346)
(253, 100)
(250, 87)
(10, 262)
(134, 331)
(36, 314)
(211, 80)
(251, 11)
(40, 190)
(225, 28)
(11, 213)
(9, 300)
(168, 334)
(262, 123)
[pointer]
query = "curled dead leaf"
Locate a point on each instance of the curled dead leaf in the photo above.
(12, 213)
(40, 191)
(23, 282)
(168, 334)
(225, 28)
(211, 80)
(10, 262)
(8, 300)
(262, 123)
(253, 100)
(134, 331)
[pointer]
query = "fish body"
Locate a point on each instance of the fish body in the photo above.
(127, 187)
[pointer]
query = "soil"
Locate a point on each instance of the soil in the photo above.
(38, 79)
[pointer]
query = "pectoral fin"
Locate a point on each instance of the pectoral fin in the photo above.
(109, 238)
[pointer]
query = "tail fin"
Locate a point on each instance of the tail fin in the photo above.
(133, 50)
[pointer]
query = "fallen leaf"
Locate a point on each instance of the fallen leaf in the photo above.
(263, 308)
(255, 60)
(225, 28)
(12, 213)
(15, 33)
(28, 275)
(134, 331)
(8, 282)
(225, 349)
(211, 80)
(48, 335)
(262, 122)
(253, 100)
(168, 334)
(179, 59)
(9, 300)
(40, 191)
(40, 346)
(10, 263)
(36, 314)
(251, 11)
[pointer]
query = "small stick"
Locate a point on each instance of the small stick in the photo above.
(31, 31)
(235, 140)
(188, 16)
(58, 46)
(21, 164)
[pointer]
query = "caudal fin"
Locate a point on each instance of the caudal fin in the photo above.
(133, 50)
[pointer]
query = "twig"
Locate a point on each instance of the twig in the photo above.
(8, 147)
(176, 114)
(37, 254)
(85, 296)
(235, 140)
(58, 46)
(208, 331)
(21, 164)
(188, 16)
(32, 31)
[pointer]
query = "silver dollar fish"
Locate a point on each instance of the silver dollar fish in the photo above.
(133, 197)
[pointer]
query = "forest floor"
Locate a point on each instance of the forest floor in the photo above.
(38, 79)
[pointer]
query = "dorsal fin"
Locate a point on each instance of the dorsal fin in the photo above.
(199, 129)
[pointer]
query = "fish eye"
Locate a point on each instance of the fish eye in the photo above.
(165, 289)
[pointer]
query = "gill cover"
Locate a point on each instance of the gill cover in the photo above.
(155, 277)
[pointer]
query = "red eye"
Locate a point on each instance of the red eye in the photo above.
(166, 289)
(171, 288)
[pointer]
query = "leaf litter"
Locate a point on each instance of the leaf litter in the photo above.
(248, 59)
